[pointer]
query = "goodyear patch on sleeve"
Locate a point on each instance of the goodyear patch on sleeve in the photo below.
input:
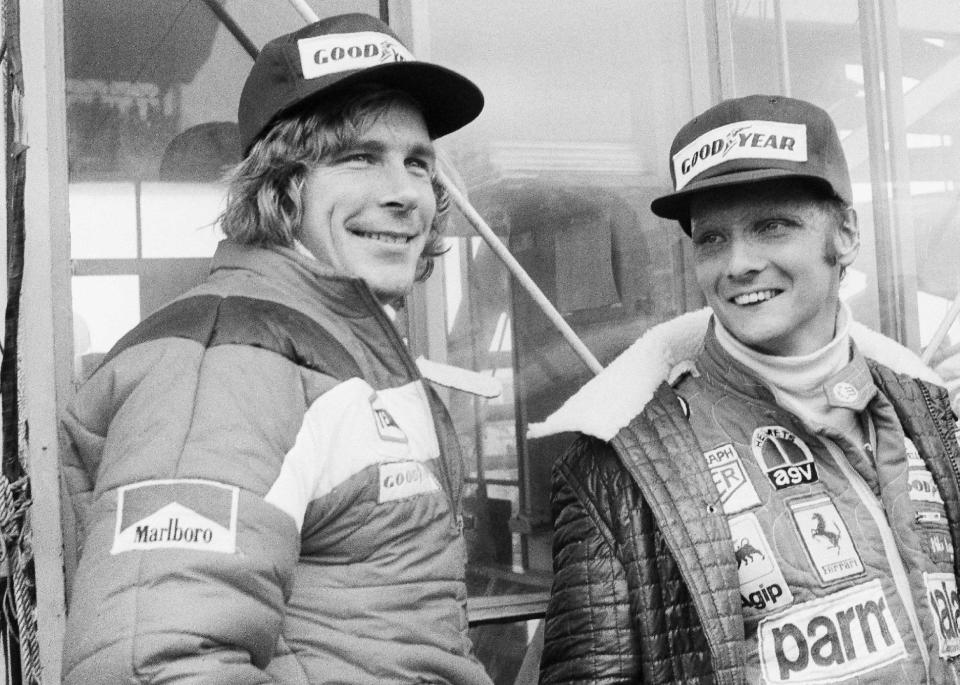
(846, 634)
(176, 514)
(399, 480)
(945, 607)
(729, 475)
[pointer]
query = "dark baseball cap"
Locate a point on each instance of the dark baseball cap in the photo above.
(750, 139)
(300, 70)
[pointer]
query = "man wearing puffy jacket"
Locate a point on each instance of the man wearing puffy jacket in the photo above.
(773, 496)
(267, 489)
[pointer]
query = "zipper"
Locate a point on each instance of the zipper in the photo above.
(892, 553)
(946, 435)
(438, 414)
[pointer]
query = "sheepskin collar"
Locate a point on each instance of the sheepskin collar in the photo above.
(658, 356)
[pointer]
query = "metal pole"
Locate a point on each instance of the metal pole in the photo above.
(233, 27)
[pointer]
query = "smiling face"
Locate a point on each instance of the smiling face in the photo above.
(768, 257)
(368, 206)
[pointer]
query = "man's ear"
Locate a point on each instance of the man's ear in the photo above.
(846, 239)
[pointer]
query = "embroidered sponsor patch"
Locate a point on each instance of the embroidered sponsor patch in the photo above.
(184, 514)
(323, 55)
(922, 487)
(845, 393)
(945, 607)
(400, 480)
(826, 538)
(935, 538)
(839, 636)
(387, 428)
(736, 490)
(739, 140)
(913, 455)
(762, 585)
(784, 457)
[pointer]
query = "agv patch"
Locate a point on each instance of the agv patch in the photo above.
(183, 514)
(784, 457)
(729, 475)
(762, 585)
(846, 634)
(826, 538)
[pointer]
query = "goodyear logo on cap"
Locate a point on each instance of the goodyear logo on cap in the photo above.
(186, 514)
(740, 140)
(325, 55)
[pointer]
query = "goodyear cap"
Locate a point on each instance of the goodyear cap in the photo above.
(750, 139)
(300, 70)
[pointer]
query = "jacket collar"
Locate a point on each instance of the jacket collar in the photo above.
(346, 297)
(661, 355)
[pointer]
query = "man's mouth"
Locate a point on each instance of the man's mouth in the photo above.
(392, 238)
(755, 297)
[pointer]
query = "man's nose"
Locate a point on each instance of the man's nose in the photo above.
(400, 189)
(745, 259)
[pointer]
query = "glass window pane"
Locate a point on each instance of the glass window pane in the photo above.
(103, 220)
(180, 219)
(563, 163)
(929, 33)
(104, 308)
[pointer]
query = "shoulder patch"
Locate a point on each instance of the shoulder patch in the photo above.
(186, 514)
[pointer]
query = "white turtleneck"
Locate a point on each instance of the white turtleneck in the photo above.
(799, 383)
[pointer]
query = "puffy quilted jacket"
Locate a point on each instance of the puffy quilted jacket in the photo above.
(646, 584)
(267, 491)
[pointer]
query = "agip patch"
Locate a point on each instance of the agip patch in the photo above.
(729, 475)
(176, 514)
(762, 585)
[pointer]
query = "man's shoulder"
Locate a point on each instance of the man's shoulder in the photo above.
(212, 320)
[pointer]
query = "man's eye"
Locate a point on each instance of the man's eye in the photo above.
(421, 164)
(707, 239)
(772, 226)
(357, 157)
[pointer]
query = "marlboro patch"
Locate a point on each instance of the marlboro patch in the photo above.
(176, 514)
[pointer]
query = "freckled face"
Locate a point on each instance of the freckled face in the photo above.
(761, 262)
(367, 210)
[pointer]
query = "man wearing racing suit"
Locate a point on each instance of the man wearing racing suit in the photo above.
(773, 494)
(267, 489)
